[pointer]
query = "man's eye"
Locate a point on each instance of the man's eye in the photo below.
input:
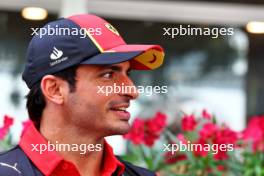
(108, 75)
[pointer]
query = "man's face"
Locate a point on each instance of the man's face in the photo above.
(90, 110)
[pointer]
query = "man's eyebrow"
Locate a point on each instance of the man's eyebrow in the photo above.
(117, 68)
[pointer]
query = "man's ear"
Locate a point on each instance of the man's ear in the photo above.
(53, 88)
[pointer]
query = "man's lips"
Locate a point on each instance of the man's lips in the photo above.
(121, 111)
(120, 107)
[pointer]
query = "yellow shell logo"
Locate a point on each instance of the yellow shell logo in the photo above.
(111, 28)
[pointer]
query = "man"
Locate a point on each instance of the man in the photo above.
(66, 75)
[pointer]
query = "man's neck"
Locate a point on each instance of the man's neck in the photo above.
(88, 161)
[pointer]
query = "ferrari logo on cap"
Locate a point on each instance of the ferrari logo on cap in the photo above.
(111, 28)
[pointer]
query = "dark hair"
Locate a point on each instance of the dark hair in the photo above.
(35, 98)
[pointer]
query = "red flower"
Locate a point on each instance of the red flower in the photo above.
(221, 168)
(208, 130)
(153, 128)
(173, 158)
(136, 134)
(3, 132)
(221, 155)
(8, 121)
(255, 132)
(212, 134)
(157, 123)
(150, 138)
(206, 115)
(147, 131)
(224, 136)
(188, 123)
(181, 138)
(201, 151)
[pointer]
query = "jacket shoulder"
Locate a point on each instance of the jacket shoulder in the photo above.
(14, 162)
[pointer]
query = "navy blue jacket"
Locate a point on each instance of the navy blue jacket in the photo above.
(15, 163)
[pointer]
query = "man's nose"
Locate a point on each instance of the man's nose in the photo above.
(129, 89)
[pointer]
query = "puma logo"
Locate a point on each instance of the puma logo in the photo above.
(10, 166)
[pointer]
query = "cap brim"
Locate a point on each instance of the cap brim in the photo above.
(141, 57)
